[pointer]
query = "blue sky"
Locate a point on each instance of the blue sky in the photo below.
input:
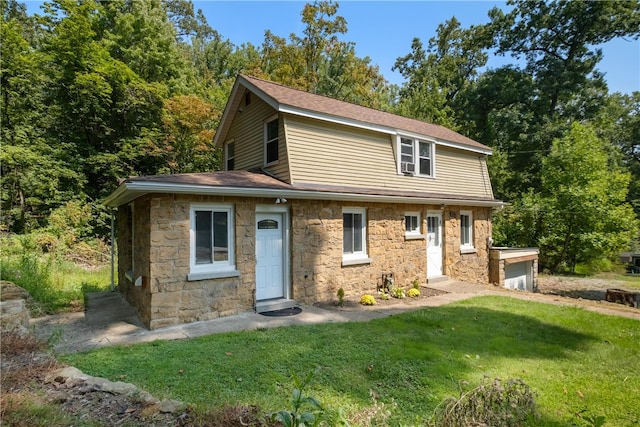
(383, 30)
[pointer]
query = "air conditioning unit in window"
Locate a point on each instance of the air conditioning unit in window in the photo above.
(408, 168)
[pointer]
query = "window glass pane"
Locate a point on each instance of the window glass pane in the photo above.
(425, 150)
(203, 237)
(411, 223)
(357, 232)
(272, 130)
(347, 233)
(406, 150)
(425, 167)
(272, 151)
(220, 236)
(465, 230)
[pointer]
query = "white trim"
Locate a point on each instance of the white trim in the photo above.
(201, 271)
(265, 126)
(467, 247)
(416, 232)
(415, 146)
(286, 237)
(360, 255)
(226, 153)
(132, 190)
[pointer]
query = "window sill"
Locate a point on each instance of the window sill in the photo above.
(192, 277)
(468, 250)
(275, 162)
(415, 236)
(356, 261)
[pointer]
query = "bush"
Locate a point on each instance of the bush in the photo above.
(397, 292)
(413, 293)
(367, 300)
(492, 403)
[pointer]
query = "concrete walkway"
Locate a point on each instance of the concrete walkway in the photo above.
(109, 320)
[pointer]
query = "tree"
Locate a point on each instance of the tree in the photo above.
(557, 40)
(437, 75)
(581, 212)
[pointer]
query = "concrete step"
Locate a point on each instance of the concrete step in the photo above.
(274, 304)
(437, 279)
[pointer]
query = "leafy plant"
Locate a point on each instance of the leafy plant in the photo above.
(367, 300)
(340, 297)
(416, 284)
(397, 292)
(305, 410)
(492, 403)
(413, 293)
(383, 295)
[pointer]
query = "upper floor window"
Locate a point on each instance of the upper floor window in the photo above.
(271, 141)
(212, 239)
(230, 156)
(416, 157)
(354, 233)
(466, 229)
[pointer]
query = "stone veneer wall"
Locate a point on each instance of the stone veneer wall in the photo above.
(161, 233)
(469, 267)
(317, 271)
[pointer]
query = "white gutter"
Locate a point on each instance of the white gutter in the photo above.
(131, 190)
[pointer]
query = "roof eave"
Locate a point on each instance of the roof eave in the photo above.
(129, 191)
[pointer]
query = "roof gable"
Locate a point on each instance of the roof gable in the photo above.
(294, 101)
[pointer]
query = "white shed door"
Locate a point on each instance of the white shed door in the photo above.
(516, 275)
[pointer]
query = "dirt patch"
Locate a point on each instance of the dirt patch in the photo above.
(28, 376)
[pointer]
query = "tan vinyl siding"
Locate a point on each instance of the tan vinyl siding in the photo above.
(247, 132)
(340, 155)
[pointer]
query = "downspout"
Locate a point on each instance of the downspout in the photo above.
(113, 236)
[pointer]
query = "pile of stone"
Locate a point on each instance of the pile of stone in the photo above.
(14, 314)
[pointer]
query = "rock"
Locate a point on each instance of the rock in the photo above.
(10, 291)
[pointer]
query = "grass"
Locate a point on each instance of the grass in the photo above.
(577, 362)
(56, 285)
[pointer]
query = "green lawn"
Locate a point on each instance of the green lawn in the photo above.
(574, 360)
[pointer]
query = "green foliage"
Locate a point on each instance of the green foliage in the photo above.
(340, 295)
(492, 403)
(413, 293)
(397, 292)
(367, 300)
(306, 411)
(416, 284)
(415, 359)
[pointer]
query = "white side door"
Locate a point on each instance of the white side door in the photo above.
(434, 244)
(269, 256)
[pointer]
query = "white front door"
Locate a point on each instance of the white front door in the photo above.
(269, 256)
(434, 244)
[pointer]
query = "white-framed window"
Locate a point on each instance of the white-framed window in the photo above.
(412, 225)
(271, 141)
(230, 155)
(354, 234)
(466, 229)
(212, 240)
(416, 157)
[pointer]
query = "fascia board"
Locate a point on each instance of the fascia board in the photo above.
(131, 190)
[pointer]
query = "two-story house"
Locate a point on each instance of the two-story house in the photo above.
(316, 195)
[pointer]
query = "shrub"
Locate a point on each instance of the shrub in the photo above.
(383, 295)
(340, 297)
(413, 293)
(367, 300)
(492, 403)
(416, 284)
(397, 292)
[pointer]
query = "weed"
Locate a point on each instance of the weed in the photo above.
(374, 415)
(305, 410)
(492, 403)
